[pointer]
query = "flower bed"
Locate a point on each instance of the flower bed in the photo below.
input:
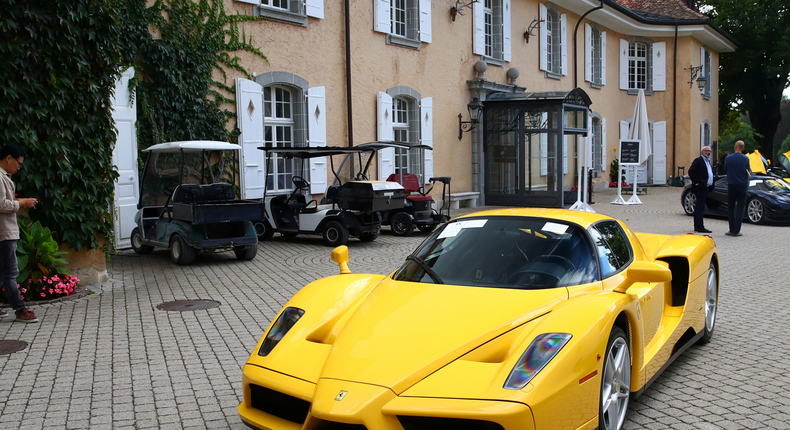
(47, 288)
(614, 184)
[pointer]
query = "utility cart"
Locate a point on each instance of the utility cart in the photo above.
(183, 209)
(351, 208)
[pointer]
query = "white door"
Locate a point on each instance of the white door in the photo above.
(124, 157)
(660, 153)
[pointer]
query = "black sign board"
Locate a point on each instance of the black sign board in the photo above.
(629, 152)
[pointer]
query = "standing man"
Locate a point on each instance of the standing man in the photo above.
(701, 175)
(738, 171)
(11, 159)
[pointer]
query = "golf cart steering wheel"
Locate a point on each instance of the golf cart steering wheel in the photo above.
(300, 183)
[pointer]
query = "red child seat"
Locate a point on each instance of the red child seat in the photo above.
(411, 183)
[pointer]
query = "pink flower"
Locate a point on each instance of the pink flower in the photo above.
(24, 290)
(43, 295)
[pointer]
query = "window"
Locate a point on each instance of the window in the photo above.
(404, 117)
(705, 138)
(595, 56)
(598, 145)
(406, 22)
(614, 249)
(279, 131)
(642, 65)
(492, 30)
(705, 60)
(553, 43)
(288, 11)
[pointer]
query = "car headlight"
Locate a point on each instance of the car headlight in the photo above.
(284, 322)
(535, 358)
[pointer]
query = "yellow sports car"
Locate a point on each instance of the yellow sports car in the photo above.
(506, 319)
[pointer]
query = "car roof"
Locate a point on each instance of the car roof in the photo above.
(583, 219)
(193, 146)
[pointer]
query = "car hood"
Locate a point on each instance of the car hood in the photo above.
(405, 331)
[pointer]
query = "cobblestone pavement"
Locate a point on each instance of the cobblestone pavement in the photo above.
(112, 360)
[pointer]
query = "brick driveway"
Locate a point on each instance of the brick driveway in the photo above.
(112, 360)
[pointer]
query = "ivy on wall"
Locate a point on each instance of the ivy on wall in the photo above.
(60, 63)
(178, 97)
(58, 70)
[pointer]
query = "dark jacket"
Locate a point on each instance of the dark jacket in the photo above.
(698, 172)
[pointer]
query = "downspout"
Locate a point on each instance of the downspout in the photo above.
(575, 56)
(349, 107)
(675, 106)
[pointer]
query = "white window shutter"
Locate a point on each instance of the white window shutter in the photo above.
(384, 128)
(565, 154)
(588, 48)
(506, 30)
(564, 43)
(249, 114)
(479, 36)
(623, 130)
(316, 123)
(660, 66)
(623, 64)
(426, 136)
(660, 153)
(381, 16)
(314, 8)
(603, 58)
(425, 21)
(701, 135)
(544, 39)
(703, 72)
(386, 163)
(604, 167)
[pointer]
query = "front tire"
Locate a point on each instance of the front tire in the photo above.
(711, 303)
(181, 253)
(335, 233)
(401, 224)
(615, 382)
(247, 252)
(137, 243)
(689, 202)
(755, 211)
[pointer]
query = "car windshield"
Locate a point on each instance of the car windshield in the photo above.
(504, 252)
(776, 185)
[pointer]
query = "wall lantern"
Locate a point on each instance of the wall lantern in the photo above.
(475, 115)
(701, 81)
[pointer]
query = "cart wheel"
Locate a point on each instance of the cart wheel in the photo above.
(137, 243)
(180, 252)
(369, 237)
(335, 234)
(263, 230)
(247, 252)
(427, 228)
(401, 224)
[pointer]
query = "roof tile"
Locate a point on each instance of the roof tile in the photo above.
(669, 8)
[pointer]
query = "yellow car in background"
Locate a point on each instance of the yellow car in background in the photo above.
(505, 319)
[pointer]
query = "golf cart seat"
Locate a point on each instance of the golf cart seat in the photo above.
(192, 193)
(411, 183)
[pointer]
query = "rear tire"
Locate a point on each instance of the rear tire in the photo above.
(246, 252)
(335, 233)
(263, 230)
(711, 303)
(137, 243)
(755, 211)
(401, 224)
(615, 382)
(689, 202)
(369, 237)
(181, 253)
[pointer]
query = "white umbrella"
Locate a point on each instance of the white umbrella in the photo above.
(640, 130)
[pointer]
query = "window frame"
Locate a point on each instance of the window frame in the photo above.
(706, 60)
(623, 265)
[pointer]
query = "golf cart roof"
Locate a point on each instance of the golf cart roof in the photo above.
(318, 151)
(193, 146)
(382, 145)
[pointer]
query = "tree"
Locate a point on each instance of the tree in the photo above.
(754, 76)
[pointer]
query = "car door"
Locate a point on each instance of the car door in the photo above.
(717, 199)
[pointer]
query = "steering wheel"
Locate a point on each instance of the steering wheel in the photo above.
(558, 259)
(300, 183)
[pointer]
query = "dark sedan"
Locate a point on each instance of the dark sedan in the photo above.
(767, 200)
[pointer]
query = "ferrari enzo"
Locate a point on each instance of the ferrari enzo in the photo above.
(767, 200)
(505, 319)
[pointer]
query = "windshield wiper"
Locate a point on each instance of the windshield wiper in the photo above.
(425, 267)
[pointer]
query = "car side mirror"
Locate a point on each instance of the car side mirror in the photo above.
(645, 271)
(340, 256)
